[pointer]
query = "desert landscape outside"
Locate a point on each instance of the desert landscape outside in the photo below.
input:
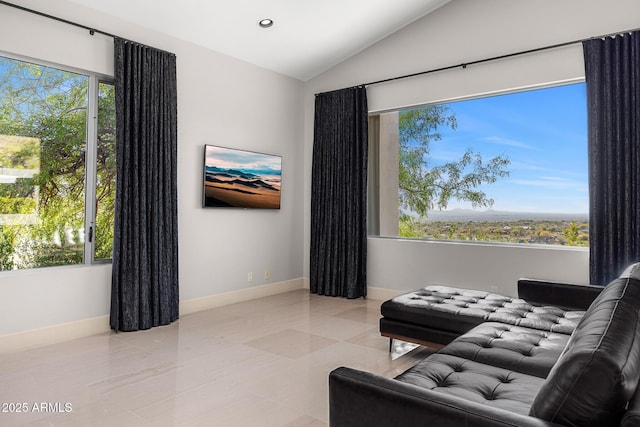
(241, 179)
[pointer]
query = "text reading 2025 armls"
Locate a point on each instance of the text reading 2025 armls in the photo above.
(24, 407)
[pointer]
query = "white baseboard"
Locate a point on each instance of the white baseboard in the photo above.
(211, 301)
(382, 294)
(54, 334)
(40, 337)
(377, 294)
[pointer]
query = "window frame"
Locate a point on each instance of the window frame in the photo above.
(373, 212)
(91, 145)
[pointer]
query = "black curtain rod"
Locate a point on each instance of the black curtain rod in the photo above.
(464, 65)
(92, 31)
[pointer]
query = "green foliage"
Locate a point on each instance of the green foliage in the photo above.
(6, 252)
(19, 152)
(423, 186)
(547, 232)
(409, 228)
(451, 231)
(17, 205)
(573, 236)
(106, 169)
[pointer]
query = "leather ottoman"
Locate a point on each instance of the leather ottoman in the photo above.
(439, 314)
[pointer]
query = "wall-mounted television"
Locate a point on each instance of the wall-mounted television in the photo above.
(241, 179)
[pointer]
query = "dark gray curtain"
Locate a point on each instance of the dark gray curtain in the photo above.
(144, 289)
(613, 99)
(338, 256)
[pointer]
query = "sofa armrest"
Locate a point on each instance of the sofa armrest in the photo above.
(363, 399)
(563, 295)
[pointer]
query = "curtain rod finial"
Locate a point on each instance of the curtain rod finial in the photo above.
(92, 32)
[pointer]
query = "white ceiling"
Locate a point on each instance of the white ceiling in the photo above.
(308, 37)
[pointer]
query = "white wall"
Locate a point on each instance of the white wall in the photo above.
(460, 32)
(220, 101)
(410, 264)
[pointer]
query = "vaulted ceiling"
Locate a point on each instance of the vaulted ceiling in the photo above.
(307, 36)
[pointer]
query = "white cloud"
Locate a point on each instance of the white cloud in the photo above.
(508, 142)
(552, 183)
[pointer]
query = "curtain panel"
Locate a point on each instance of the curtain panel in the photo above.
(612, 69)
(338, 255)
(144, 289)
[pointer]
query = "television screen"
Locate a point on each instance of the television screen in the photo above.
(241, 179)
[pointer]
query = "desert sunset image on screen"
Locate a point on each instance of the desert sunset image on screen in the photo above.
(241, 179)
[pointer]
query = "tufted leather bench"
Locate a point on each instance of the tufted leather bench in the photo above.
(439, 314)
(503, 374)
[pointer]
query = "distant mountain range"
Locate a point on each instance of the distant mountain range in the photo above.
(236, 177)
(257, 183)
(246, 174)
(493, 215)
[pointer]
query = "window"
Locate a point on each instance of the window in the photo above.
(506, 168)
(57, 166)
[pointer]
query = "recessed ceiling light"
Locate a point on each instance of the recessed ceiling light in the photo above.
(265, 23)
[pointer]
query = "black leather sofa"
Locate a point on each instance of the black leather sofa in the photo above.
(518, 366)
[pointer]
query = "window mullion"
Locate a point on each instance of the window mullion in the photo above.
(91, 157)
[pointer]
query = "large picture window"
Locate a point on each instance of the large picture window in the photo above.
(507, 168)
(56, 166)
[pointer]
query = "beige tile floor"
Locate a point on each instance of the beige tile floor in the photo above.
(260, 363)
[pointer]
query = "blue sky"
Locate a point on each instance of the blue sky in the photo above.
(544, 134)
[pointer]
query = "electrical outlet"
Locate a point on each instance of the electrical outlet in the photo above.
(250, 276)
(267, 274)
